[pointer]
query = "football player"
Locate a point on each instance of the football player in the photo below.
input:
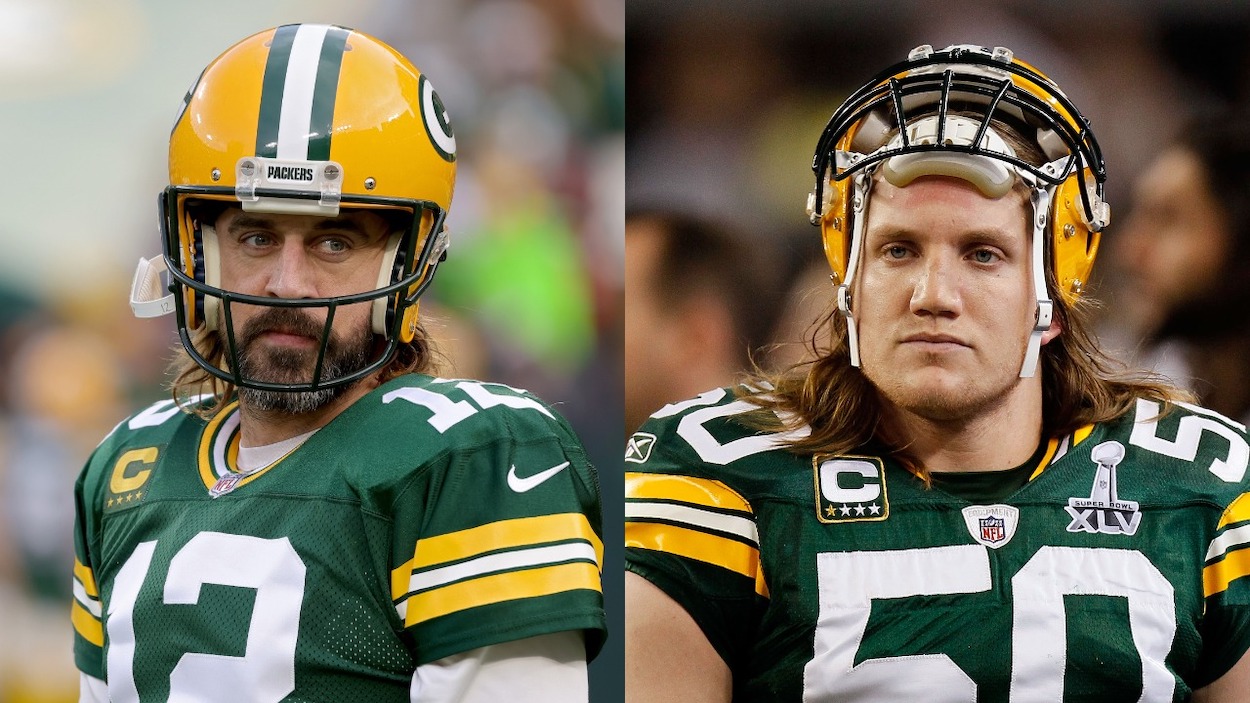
(312, 516)
(961, 499)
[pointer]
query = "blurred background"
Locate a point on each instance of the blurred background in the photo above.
(531, 294)
(727, 100)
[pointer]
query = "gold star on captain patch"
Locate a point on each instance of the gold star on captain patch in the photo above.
(830, 511)
(110, 502)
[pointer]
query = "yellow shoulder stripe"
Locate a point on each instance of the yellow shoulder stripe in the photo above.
(87, 625)
(719, 551)
(1216, 577)
(698, 491)
(86, 577)
(503, 534)
(1237, 511)
(496, 588)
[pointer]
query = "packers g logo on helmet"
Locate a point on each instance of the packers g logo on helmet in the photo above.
(434, 115)
(304, 119)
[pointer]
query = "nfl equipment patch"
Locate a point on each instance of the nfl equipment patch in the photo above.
(850, 489)
(992, 525)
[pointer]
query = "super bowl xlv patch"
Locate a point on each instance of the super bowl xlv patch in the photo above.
(638, 448)
(992, 525)
(1103, 511)
(850, 489)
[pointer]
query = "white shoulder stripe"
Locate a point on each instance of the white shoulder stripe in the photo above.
(91, 604)
(1231, 539)
(503, 561)
(695, 517)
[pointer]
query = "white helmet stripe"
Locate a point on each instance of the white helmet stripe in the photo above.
(295, 120)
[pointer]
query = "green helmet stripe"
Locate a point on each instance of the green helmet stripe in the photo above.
(321, 125)
(271, 90)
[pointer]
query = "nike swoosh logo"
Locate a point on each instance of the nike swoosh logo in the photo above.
(521, 485)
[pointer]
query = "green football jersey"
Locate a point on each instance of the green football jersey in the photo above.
(1118, 572)
(429, 518)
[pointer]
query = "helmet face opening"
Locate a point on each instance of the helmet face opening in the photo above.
(312, 120)
(412, 257)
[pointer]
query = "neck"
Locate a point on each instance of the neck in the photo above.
(996, 438)
(258, 427)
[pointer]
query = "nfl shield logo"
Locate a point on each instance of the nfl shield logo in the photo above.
(225, 484)
(992, 525)
(993, 530)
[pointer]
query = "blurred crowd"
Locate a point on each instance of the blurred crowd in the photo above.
(530, 296)
(726, 104)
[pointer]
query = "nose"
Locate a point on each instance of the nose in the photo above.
(935, 290)
(291, 276)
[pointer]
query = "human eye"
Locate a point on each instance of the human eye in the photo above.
(333, 246)
(895, 252)
(256, 240)
(985, 255)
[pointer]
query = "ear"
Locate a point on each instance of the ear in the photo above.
(1053, 331)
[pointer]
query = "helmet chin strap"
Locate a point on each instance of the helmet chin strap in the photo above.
(860, 188)
(1045, 308)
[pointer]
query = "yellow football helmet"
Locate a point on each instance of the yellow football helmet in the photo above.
(304, 119)
(931, 115)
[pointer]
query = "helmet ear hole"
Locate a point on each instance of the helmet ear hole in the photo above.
(191, 252)
(408, 329)
(1074, 241)
(835, 226)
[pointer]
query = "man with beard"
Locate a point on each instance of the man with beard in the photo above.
(313, 515)
(961, 498)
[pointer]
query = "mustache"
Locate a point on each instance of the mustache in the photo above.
(285, 320)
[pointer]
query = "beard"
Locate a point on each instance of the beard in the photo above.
(343, 356)
(948, 398)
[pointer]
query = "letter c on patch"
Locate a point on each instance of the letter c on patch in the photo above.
(849, 481)
(122, 483)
